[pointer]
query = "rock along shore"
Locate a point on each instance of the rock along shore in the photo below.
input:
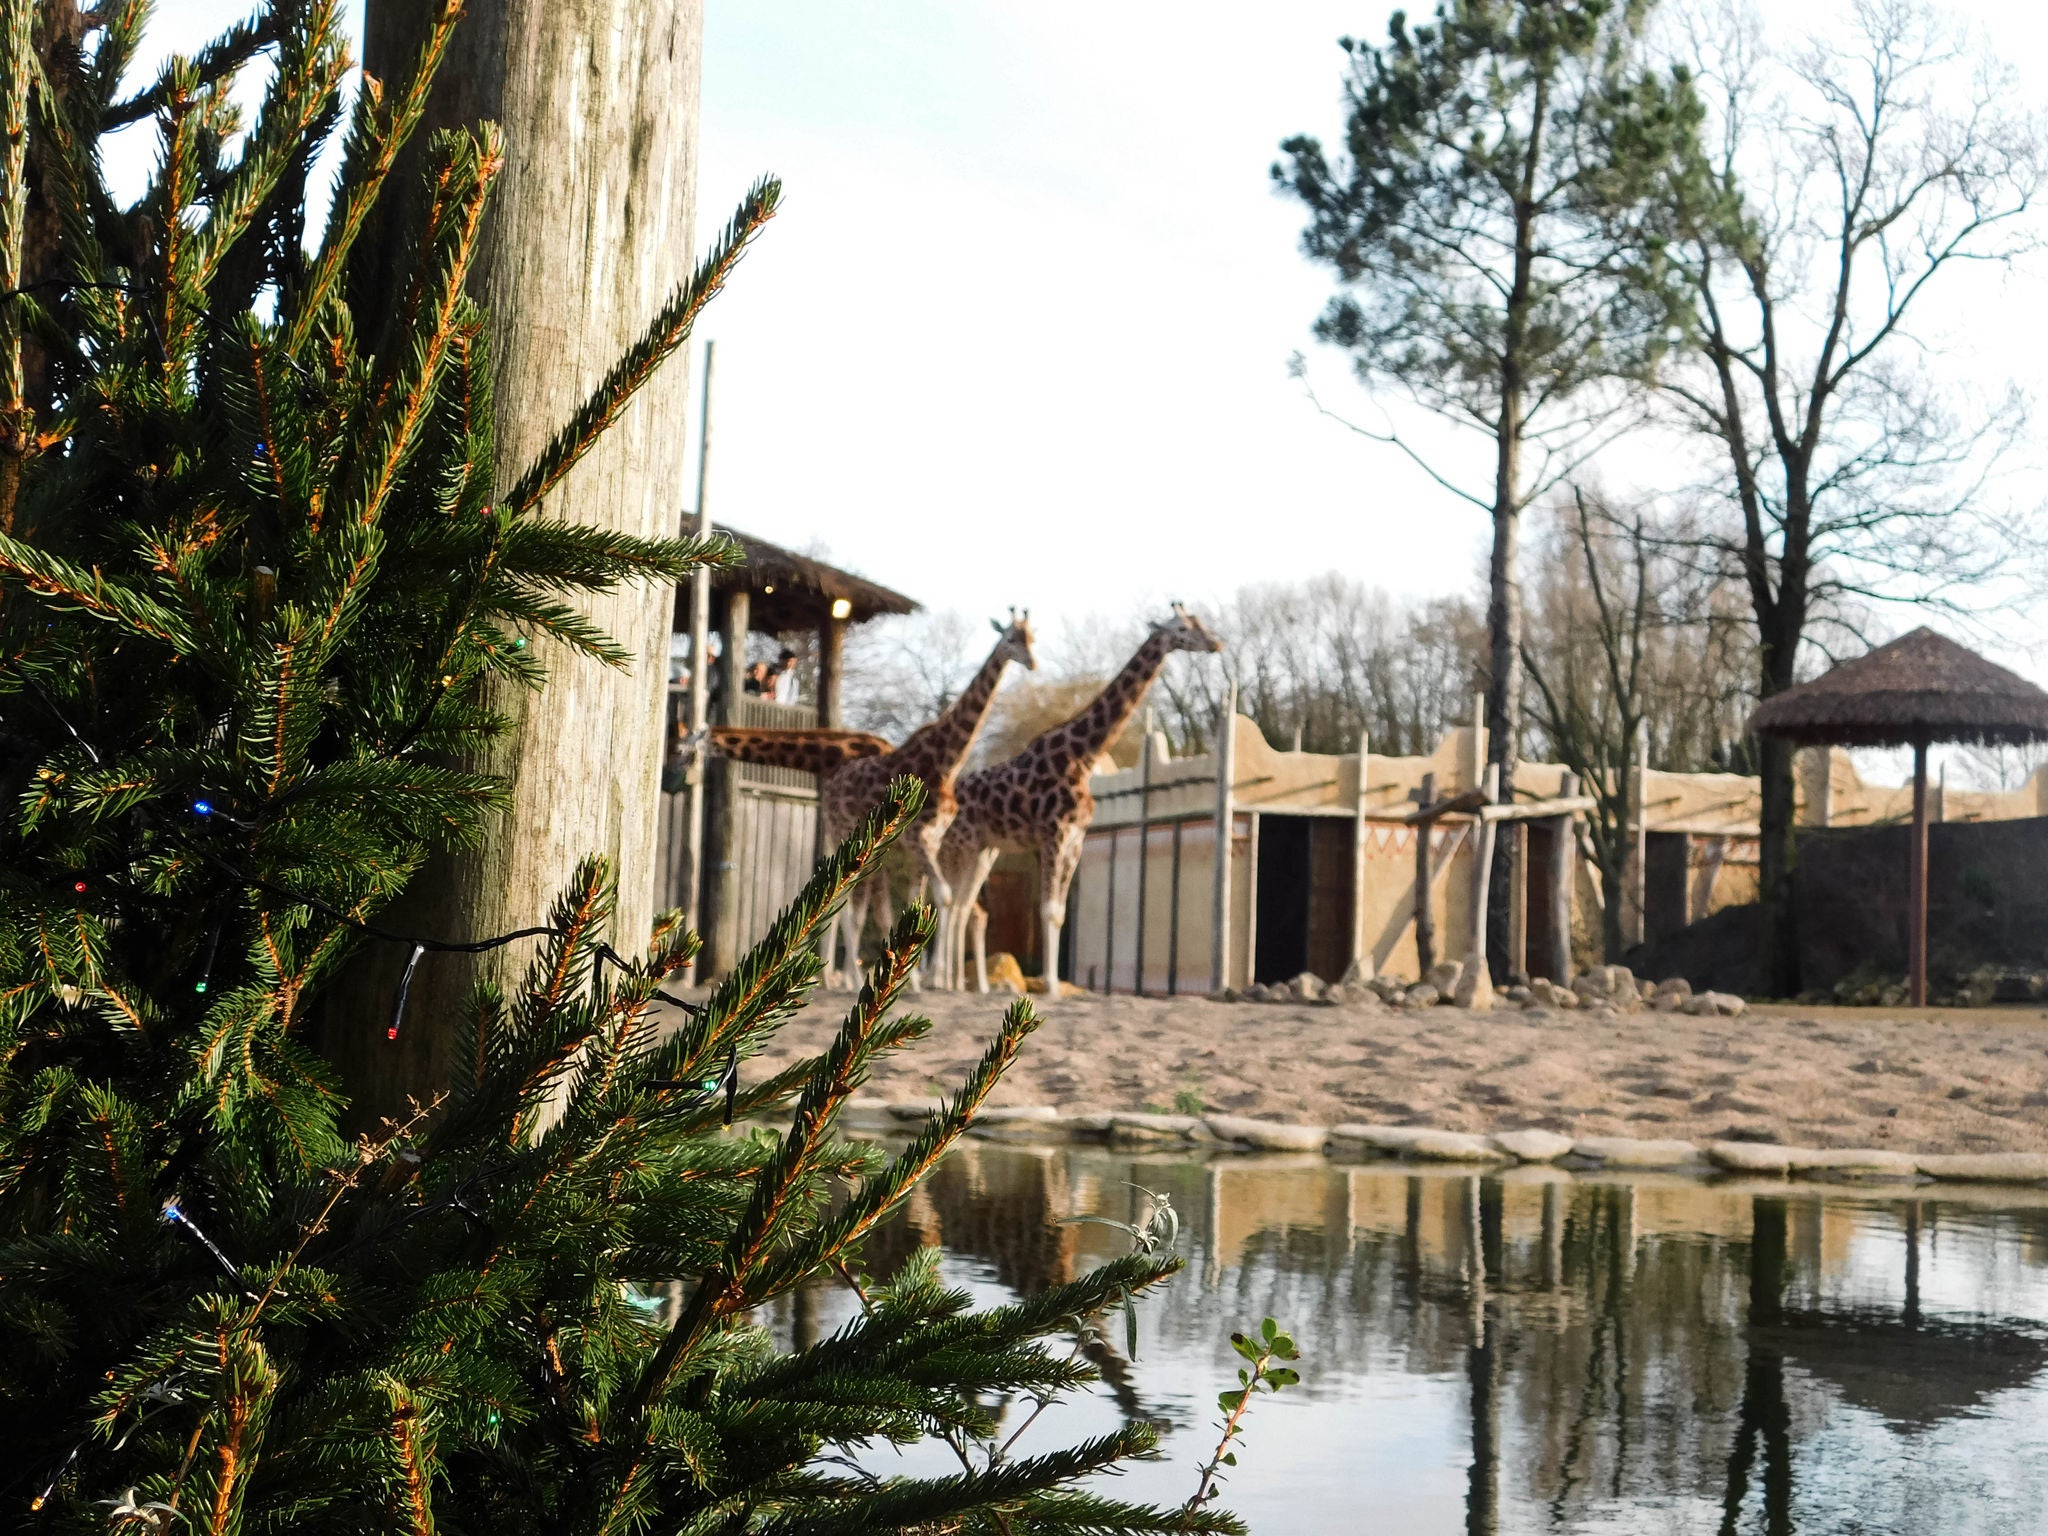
(1222, 1134)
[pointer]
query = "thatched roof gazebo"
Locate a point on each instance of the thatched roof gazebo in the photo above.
(1919, 689)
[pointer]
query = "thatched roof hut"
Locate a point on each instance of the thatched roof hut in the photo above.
(1922, 687)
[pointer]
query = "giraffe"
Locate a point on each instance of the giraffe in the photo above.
(1039, 801)
(853, 785)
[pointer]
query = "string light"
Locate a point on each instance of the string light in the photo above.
(174, 1215)
(206, 811)
(404, 990)
(212, 949)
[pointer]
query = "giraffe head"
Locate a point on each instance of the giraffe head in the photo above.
(1185, 632)
(1017, 637)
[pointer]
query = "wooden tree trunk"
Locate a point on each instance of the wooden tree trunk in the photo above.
(591, 229)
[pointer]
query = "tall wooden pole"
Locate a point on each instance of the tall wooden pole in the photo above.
(1109, 921)
(1916, 899)
(832, 669)
(1483, 833)
(722, 940)
(1226, 773)
(700, 660)
(591, 229)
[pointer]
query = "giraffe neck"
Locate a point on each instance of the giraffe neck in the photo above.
(1082, 738)
(940, 747)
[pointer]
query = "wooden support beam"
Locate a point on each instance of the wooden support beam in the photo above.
(1431, 808)
(1538, 810)
(1144, 851)
(1425, 920)
(1482, 868)
(1916, 897)
(722, 922)
(831, 672)
(1219, 914)
(1361, 951)
(1518, 901)
(1473, 802)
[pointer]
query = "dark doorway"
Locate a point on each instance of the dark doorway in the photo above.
(1665, 897)
(1537, 874)
(1304, 897)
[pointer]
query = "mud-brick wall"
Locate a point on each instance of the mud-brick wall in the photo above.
(1987, 898)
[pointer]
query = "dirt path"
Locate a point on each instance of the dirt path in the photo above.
(1956, 1081)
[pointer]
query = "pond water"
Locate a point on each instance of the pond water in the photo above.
(1535, 1351)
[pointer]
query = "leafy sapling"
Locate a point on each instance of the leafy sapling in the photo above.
(1260, 1375)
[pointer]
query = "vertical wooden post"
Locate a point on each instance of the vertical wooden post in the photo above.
(1225, 758)
(1361, 830)
(1144, 849)
(1425, 919)
(700, 669)
(1482, 867)
(722, 935)
(1109, 920)
(832, 668)
(1635, 874)
(1518, 900)
(1173, 919)
(1251, 920)
(1563, 849)
(1916, 898)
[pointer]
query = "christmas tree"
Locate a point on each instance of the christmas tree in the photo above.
(254, 573)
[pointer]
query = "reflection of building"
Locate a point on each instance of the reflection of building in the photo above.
(1322, 861)
(1584, 1353)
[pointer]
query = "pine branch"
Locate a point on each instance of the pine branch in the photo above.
(367, 160)
(883, 1194)
(744, 999)
(88, 591)
(671, 328)
(724, 1291)
(218, 61)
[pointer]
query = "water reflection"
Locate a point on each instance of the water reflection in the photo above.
(1534, 1352)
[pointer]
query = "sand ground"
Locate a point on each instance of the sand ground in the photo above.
(1950, 1080)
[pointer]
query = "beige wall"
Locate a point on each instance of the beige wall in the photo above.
(1712, 808)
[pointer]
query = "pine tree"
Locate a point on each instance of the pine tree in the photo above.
(253, 570)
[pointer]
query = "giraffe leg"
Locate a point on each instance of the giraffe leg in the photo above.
(945, 940)
(1058, 857)
(916, 981)
(972, 922)
(978, 921)
(884, 908)
(851, 923)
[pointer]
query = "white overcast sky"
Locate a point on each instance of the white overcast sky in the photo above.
(1020, 334)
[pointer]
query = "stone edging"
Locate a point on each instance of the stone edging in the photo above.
(1235, 1133)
